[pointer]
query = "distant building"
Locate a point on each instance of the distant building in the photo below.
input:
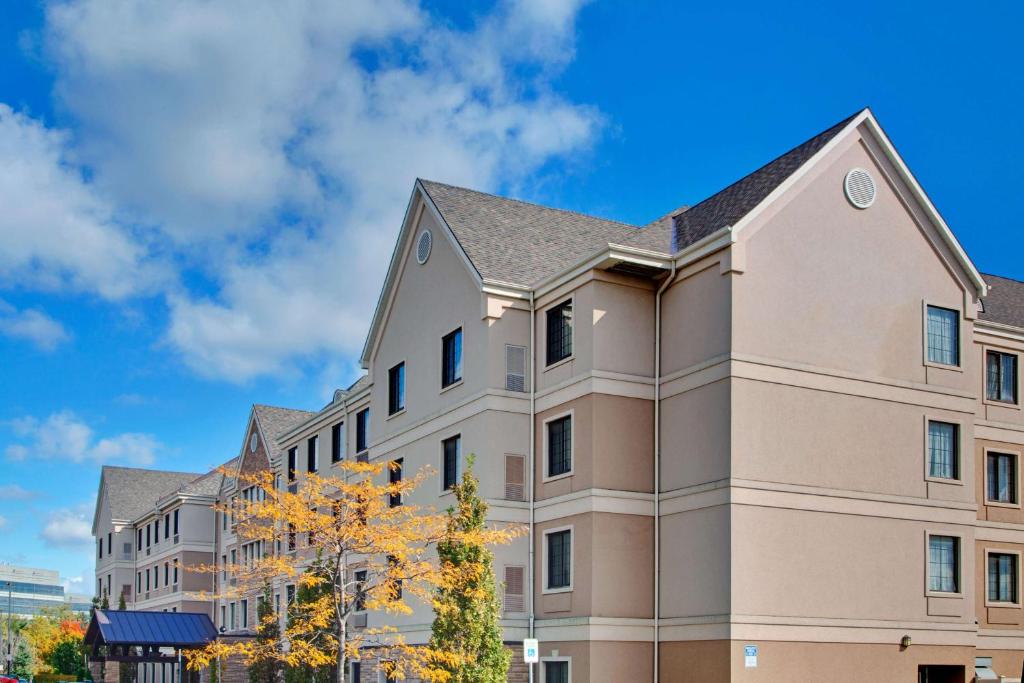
(31, 589)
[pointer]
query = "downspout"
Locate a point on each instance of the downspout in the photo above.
(657, 464)
(533, 448)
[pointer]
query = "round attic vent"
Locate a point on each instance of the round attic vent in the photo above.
(860, 188)
(423, 247)
(252, 442)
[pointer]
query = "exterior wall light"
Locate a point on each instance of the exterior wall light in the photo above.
(905, 642)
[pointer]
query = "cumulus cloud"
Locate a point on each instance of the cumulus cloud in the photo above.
(32, 325)
(15, 492)
(273, 147)
(56, 232)
(67, 528)
(64, 435)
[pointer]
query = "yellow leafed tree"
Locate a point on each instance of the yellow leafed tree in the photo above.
(354, 543)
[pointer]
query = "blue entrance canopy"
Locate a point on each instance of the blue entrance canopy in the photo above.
(149, 630)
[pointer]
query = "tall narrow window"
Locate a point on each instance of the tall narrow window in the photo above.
(245, 614)
(559, 327)
(556, 671)
(312, 453)
(167, 525)
(99, 548)
(1002, 577)
(156, 530)
(395, 477)
(1001, 476)
(1001, 377)
(293, 457)
(359, 601)
(362, 430)
(560, 446)
(944, 564)
(451, 358)
(148, 532)
(338, 442)
(110, 543)
(450, 465)
(396, 389)
(176, 521)
(139, 545)
(559, 559)
(395, 576)
(943, 336)
(943, 450)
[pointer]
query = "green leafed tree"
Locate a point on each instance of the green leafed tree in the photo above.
(306, 597)
(467, 609)
(121, 604)
(268, 635)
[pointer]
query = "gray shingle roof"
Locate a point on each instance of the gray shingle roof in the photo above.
(1005, 301)
(734, 202)
(131, 492)
(276, 421)
(512, 241)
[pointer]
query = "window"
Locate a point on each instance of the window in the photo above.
(1001, 377)
(359, 603)
(396, 389)
(944, 564)
(395, 477)
(1002, 577)
(99, 548)
(147, 580)
(167, 525)
(362, 429)
(223, 616)
(1001, 478)
(355, 672)
(156, 577)
(943, 336)
(176, 522)
(156, 530)
(556, 671)
(312, 453)
(233, 622)
(138, 582)
(943, 450)
(148, 530)
(559, 446)
(175, 572)
(451, 358)
(291, 537)
(396, 581)
(110, 543)
(559, 325)
(559, 560)
(450, 461)
(289, 594)
(293, 458)
(338, 442)
(140, 539)
(167, 573)
(245, 614)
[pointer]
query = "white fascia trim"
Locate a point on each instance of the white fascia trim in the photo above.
(999, 329)
(611, 252)
(719, 239)
(866, 117)
(321, 419)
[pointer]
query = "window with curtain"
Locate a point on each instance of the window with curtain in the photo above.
(556, 672)
(560, 446)
(1002, 577)
(1001, 377)
(559, 559)
(396, 389)
(559, 332)
(942, 450)
(943, 336)
(943, 564)
(1001, 476)
(450, 465)
(451, 358)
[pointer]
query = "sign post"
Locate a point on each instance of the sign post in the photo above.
(531, 653)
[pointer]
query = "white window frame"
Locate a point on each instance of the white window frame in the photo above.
(571, 414)
(405, 393)
(959, 336)
(1002, 551)
(1001, 451)
(985, 348)
(545, 660)
(959, 480)
(575, 318)
(544, 560)
(928, 533)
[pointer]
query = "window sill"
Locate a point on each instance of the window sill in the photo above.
(556, 591)
(395, 414)
(1010, 405)
(1001, 504)
(943, 366)
(557, 363)
(453, 385)
(941, 594)
(943, 480)
(1003, 605)
(566, 475)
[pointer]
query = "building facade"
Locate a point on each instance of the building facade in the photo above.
(773, 436)
(27, 591)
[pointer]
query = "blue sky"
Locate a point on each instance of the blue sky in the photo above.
(199, 199)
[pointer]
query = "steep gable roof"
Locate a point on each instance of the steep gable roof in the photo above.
(1004, 304)
(515, 242)
(131, 492)
(275, 421)
(727, 206)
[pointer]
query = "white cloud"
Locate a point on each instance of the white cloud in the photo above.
(3, 522)
(274, 145)
(67, 528)
(56, 233)
(16, 492)
(64, 435)
(33, 325)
